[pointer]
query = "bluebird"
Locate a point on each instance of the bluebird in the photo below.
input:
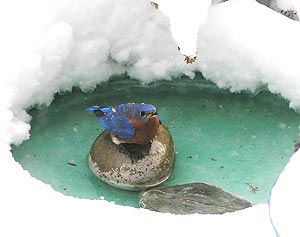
(128, 123)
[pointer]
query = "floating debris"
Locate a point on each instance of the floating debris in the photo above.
(253, 188)
(71, 163)
(192, 198)
(296, 146)
(154, 4)
(190, 59)
(170, 127)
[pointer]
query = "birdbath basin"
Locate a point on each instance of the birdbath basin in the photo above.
(237, 142)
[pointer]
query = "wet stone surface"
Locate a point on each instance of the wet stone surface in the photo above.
(192, 198)
(133, 166)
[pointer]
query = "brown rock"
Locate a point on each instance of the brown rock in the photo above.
(133, 166)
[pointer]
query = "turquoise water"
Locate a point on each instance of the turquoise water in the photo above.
(225, 139)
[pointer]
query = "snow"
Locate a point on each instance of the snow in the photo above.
(263, 49)
(283, 4)
(285, 198)
(51, 46)
(187, 20)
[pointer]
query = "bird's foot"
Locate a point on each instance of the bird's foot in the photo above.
(115, 140)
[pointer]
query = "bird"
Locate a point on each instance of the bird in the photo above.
(128, 123)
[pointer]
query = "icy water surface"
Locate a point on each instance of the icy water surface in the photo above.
(237, 142)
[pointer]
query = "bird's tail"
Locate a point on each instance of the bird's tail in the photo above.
(94, 108)
(98, 110)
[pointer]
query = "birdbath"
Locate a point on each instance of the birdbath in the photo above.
(237, 142)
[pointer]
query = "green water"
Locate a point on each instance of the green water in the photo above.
(221, 138)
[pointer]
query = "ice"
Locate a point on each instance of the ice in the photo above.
(51, 46)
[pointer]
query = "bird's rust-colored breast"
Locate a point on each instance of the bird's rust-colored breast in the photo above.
(144, 132)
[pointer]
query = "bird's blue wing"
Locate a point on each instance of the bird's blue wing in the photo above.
(117, 125)
(99, 111)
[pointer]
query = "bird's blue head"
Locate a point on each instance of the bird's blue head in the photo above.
(147, 110)
(142, 112)
(139, 112)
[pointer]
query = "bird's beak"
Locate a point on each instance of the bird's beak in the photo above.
(152, 114)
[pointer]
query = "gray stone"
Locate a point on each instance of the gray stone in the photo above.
(133, 166)
(192, 198)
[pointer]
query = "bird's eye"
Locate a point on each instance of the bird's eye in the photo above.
(143, 113)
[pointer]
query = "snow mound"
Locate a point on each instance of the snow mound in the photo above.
(244, 45)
